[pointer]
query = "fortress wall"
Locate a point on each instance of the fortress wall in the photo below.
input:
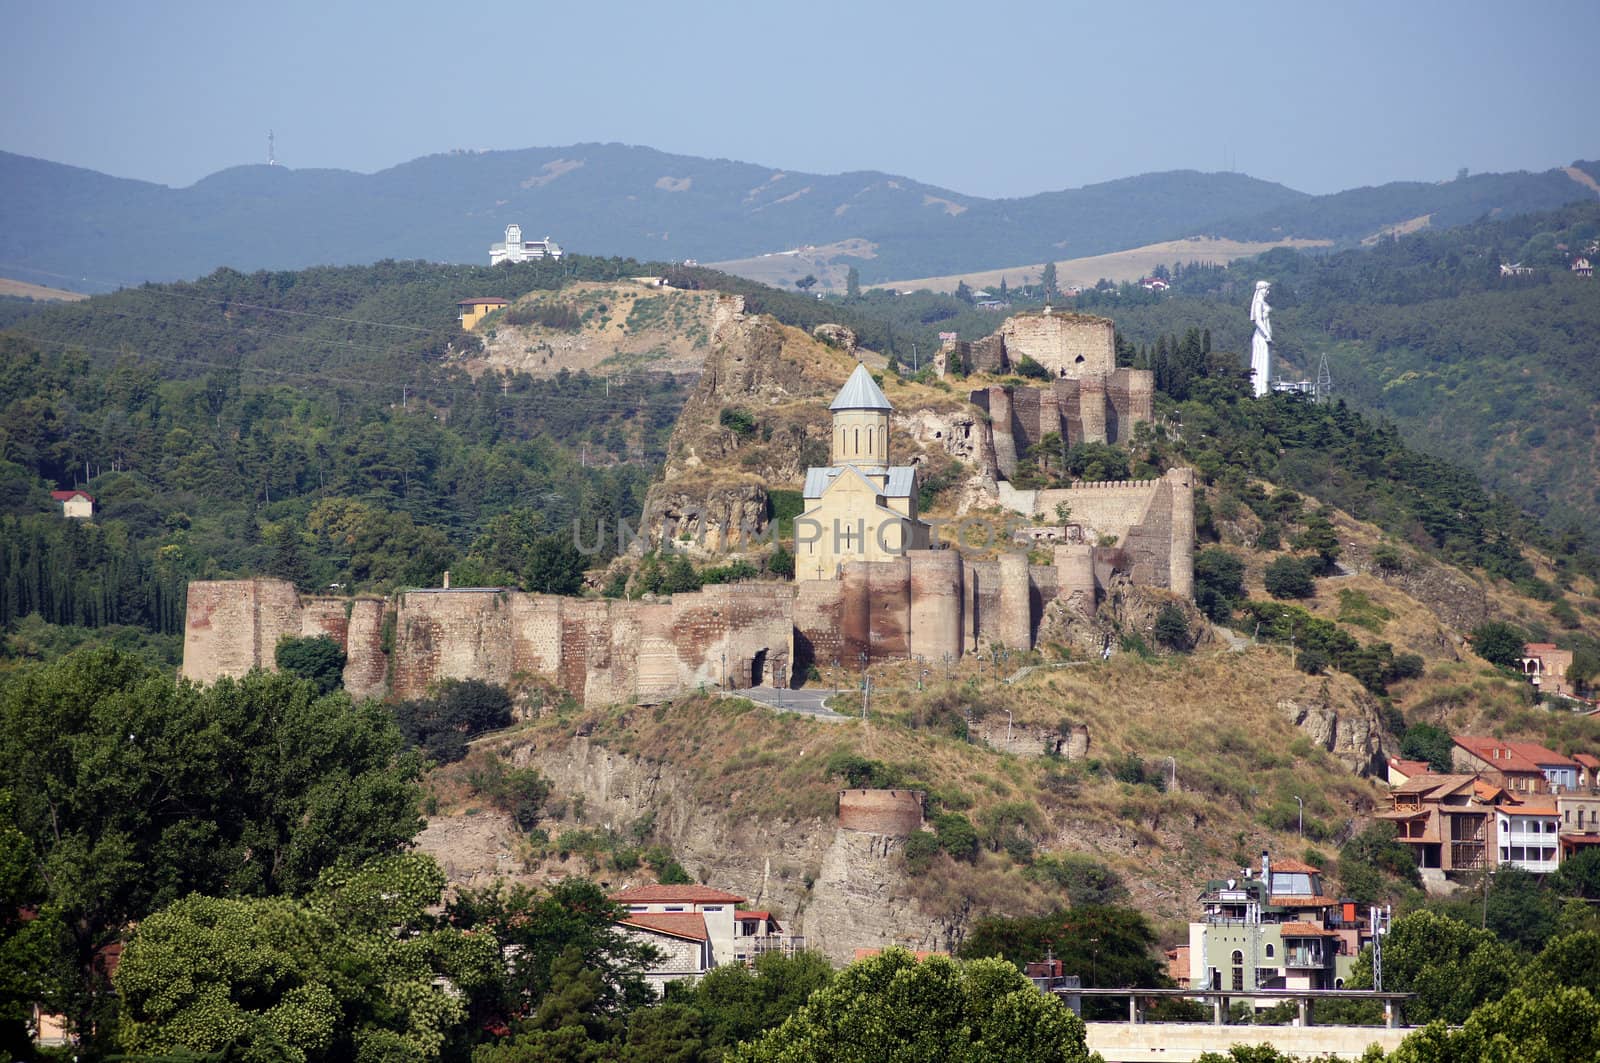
(451, 634)
(536, 621)
(855, 610)
(1132, 397)
(1001, 424)
(1092, 408)
(1109, 507)
(664, 667)
(817, 625)
(1074, 345)
(1070, 407)
(881, 811)
(987, 355)
(1044, 584)
(890, 604)
(366, 666)
(1015, 628)
(233, 626)
(981, 601)
(1180, 538)
(324, 616)
(743, 621)
(936, 604)
(613, 633)
(1075, 576)
(1026, 419)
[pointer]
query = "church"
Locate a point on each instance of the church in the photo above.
(861, 507)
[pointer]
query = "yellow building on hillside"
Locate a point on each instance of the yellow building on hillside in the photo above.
(861, 507)
(476, 309)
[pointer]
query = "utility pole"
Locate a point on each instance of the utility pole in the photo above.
(1302, 816)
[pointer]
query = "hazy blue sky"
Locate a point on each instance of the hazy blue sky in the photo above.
(985, 98)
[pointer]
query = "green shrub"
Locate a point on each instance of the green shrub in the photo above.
(1288, 577)
(316, 658)
(740, 422)
(956, 835)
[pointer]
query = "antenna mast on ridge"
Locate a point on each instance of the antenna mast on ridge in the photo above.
(272, 158)
(1324, 379)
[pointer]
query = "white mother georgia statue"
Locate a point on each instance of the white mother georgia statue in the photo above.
(1261, 342)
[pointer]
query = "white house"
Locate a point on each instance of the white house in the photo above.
(693, 926)
(514, 249)
(1526, 835)
(79, 505)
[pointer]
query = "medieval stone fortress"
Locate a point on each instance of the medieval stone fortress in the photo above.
(873, 579)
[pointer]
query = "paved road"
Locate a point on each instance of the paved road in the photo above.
(805, 702)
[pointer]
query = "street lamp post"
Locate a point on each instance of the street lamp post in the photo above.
(1172, 776)
(1302, 816)
(1008, 730)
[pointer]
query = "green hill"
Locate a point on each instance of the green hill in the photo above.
(1498, 373)
(71, 227)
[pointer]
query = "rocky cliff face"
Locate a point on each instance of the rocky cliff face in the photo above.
(842, 889)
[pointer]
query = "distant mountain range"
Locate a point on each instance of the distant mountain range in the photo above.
(74, 228)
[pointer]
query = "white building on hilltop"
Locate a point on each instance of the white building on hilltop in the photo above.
(513, 249)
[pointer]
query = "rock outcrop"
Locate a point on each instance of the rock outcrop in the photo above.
(843, 889)
(1352, 731)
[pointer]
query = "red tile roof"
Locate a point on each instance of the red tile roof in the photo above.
(1410, 768)
(1587, 760)
(752, 915)
(62, 496)
(1516, 757)
(676, 895)
(691, 926)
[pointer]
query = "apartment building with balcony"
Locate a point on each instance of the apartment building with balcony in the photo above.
(1278, 929)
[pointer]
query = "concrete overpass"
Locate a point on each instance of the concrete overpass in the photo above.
(1138, 1041)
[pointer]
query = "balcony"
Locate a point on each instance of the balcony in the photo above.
(749, 948)
(1304, 957)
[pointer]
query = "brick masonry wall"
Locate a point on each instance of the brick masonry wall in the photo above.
(895, 812)
(1074, 345)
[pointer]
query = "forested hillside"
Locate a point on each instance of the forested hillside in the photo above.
(304, 424)
(1497, 373)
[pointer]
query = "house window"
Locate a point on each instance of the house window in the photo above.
(674, 908)
(712, 908)
(1238, 969)
(1269, 950)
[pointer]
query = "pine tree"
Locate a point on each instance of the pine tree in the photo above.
(1047, 280)
(852, 283)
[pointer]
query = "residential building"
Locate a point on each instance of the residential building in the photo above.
(515, 249)
(861, 507)
(474, 310)
(1580, 820)
(1446, 820)
(697, 928)
(1588, 771)
(757, 933)
(1582, 267)
(1514, 269)
(1545, 665)
(1520, 767)
(1525, 833)
(1401, 771)
(78, 505)
(1277, 930)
